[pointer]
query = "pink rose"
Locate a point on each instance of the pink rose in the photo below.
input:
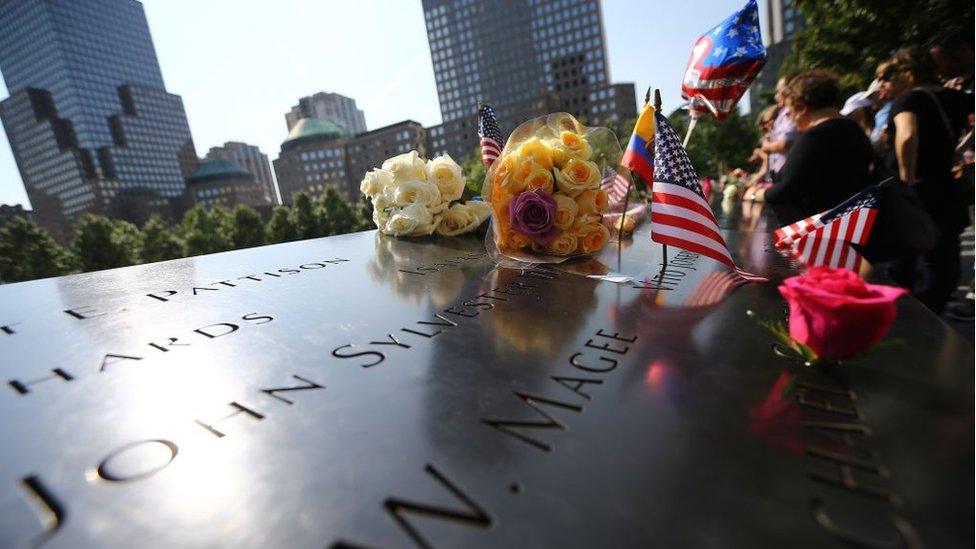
(837, 314)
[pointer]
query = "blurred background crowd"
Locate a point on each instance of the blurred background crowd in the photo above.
(911, 127)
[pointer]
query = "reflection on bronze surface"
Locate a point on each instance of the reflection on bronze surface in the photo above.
(395, 263)
(534, 326)
(752, 219)
(776, 420)
(344, 453)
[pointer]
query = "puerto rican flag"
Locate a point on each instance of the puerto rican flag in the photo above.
(723, 64)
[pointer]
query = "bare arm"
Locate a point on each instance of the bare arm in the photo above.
(759, 175)
(778, 146)
(906, 145)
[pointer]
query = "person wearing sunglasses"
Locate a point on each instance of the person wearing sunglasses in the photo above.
(924, 125)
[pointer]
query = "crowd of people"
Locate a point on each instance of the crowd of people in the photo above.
(912, 127)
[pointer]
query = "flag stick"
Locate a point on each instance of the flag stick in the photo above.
(630, 183)
(664, 261)
(623, 214)
(691, 127)
(664, 247)
(694, 119)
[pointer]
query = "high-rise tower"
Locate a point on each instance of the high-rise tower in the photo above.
(89, 120)
(333, 106)
(525, 58)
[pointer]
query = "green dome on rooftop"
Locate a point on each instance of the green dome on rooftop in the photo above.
(218, 168)
(314, 129)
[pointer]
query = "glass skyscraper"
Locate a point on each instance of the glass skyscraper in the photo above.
(525, 58)
(90, 122)
(783, 20)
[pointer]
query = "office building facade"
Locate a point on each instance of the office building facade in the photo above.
(368, 150)
(221, 182)
(89, 120)
(335, 107)
(253, 160)
(319, 153)
(526, 59)
(8, 212)
(312, 159)
(783, 20)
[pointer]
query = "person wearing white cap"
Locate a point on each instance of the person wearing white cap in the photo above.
(858, 107)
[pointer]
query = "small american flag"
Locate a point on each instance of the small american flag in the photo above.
(616, 187)
(491, 137)
(680, 214)
(826, 239)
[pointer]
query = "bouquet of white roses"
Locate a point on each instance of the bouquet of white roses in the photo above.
(416, 197)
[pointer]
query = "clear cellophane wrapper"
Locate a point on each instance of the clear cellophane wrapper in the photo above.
(560, 162)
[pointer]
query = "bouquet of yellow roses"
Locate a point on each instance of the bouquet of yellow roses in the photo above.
(545, 193)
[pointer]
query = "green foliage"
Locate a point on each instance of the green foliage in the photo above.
(224, 220)
(802, 353)
(336, 216)
(280, 227)
(157, 242)
(473, 169)
(852, 37)
(717, 146)
(204, 232)
(623, 131)
(365, 215)
(781, 333)
(28, 252)
(246, 227)
(303, 216)
(102, 243)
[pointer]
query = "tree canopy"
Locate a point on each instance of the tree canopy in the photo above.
(280, 227)
(98, 242)
(158, 242)
(246, 227)
(103, 243)
(852, 37)
(718, 146)
(28, 252)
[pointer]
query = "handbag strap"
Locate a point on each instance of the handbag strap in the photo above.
(942, 114)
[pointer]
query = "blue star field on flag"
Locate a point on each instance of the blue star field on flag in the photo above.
(724, 62)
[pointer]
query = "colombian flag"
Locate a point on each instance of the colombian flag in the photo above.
(639, 156)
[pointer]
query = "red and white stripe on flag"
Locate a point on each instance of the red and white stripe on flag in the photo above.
(682, 218)
(616, 188)
(490, 150)
(814, 243)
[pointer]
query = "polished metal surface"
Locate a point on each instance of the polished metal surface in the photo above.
(436, 400)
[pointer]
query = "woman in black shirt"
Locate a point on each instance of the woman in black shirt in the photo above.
(830, 160)
(926, 121)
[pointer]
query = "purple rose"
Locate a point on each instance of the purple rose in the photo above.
(532, 213)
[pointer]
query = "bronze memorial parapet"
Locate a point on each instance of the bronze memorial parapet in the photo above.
(362, 390)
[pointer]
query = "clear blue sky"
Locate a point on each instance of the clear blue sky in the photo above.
(241, 64)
